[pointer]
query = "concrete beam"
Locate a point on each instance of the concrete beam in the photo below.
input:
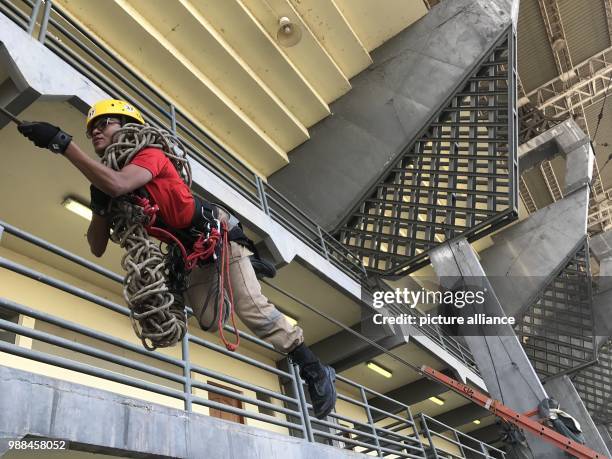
(490, 434)
(50, 408)
(500, 357)
(563, 390)
(344, 350)
(605, 435)
(58, 80)
(409, 394)
(462, 415)
(570, 141)
(525, 257)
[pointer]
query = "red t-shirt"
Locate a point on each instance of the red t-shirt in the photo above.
(167, 189)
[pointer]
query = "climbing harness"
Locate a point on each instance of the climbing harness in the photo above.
(155, 280)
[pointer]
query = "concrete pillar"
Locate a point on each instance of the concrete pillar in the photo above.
(525, 257)
(563, 390)
(605, 435)
(578, 167)
(501, 360)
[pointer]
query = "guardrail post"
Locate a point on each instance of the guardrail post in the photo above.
(414, 427)
(484, 450)
(303, 405)
(323, 242)
(364, 399)
(186, 371)
(425, 429)
(294, 387)
(459, 443)
(44, 21)
(32, 23)
(172, 119)
(261, 192)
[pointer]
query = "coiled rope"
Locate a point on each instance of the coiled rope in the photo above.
(157, 311)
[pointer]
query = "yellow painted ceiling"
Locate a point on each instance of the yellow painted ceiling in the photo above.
(220, 63)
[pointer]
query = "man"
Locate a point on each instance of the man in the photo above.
(150, 170)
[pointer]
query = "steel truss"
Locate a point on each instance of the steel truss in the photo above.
(458, 178)
(557, 331)
(581, 86)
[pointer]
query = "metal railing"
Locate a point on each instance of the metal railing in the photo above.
(67, 39)
(177, 377)
(466, 445)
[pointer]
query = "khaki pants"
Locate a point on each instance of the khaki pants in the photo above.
(253, 308)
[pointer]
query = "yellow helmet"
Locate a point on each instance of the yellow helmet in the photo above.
(114, 107)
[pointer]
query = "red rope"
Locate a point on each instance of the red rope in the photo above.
(225, 271)
(203, 248)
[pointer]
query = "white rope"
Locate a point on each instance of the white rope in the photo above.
(157, 313)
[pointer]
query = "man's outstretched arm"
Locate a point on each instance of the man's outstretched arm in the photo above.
(106, 182)
(114, 183)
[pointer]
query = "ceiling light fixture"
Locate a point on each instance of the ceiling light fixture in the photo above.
(436, 400)
(378, 369)
(78, 208)
(288, 33)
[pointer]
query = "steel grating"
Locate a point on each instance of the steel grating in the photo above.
(458, 178)
(557, 331)
(594, 384)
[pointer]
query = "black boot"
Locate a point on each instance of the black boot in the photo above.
(319, 378)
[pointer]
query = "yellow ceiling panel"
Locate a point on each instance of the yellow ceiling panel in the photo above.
(161, 63)
(308, 55)
(377, 21)
(241, 30)
(335, 34)
(191, 34)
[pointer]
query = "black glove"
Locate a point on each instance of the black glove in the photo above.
(99, 201)
(45, 135)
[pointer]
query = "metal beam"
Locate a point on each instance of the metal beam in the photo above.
(579, 87)
(527, 197)
(556, 34)
(551, 181)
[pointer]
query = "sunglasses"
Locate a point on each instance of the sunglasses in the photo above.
(100, 125)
